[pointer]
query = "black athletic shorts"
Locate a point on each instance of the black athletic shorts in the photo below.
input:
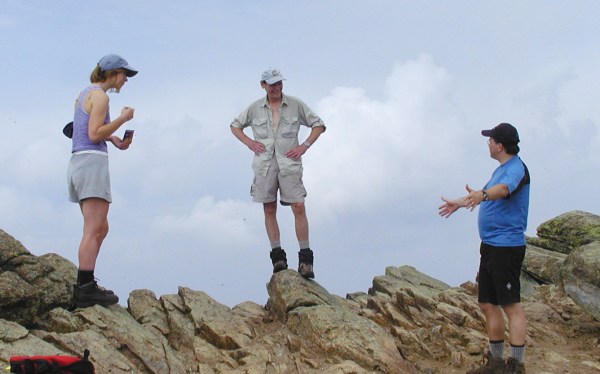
(499, 272)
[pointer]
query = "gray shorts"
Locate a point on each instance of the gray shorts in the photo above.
(291, 188)
(87, 176)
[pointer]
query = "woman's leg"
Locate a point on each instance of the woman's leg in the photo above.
(95, 229)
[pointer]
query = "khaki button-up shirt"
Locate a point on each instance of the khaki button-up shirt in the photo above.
(294, 112)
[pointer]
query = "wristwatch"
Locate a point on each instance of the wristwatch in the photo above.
(307, 144)
(485, 195)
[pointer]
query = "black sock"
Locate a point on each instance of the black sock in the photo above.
(84, 276)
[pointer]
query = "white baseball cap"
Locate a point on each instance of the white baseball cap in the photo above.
(272, 76)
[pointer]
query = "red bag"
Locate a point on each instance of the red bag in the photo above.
(52, 364)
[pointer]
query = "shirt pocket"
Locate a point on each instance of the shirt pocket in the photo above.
(259, 127)
(289, 127)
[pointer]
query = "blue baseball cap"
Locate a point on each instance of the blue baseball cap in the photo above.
(112, 62)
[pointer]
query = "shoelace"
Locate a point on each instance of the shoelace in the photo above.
(100, 287)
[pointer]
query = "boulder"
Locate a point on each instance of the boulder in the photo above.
(323, 324)
(29, 285)
(581, 277)
(407, 277)
(567, 232)
(542, 265)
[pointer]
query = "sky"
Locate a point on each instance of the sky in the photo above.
(404, 87)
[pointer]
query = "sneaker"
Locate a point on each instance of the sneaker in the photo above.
(90, 294)
(513, 366)
(306, 270)
(279, 260)
(490, 365)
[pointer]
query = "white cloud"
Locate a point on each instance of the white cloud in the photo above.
(372, 148)
(38, 161)
(216, 224)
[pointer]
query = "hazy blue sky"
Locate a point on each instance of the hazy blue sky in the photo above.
(404, 87)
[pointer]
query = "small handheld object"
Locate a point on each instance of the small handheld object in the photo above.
(128, 135)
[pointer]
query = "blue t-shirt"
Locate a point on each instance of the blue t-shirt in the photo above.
(502, 223)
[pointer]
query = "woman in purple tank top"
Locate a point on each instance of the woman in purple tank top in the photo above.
(88, 175)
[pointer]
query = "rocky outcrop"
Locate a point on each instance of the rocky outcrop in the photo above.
(407, 322)
(543, 266)
(30, 285)
(581, 277)
(570, 258)
(568, 231)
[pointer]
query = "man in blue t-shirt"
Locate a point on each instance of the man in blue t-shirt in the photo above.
(504, 204)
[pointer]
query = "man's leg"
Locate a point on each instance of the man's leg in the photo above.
(271, 224)
(490, 281)
(494, 325)
(494, 321)
(517, 322)
(305, 255)
(517, 328)
(278, 256)
(301, 222)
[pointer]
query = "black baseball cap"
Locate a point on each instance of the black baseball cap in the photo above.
(504, 133)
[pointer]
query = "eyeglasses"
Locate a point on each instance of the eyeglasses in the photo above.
(493, 142)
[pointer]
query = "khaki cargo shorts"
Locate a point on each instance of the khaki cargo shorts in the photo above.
(291, 189)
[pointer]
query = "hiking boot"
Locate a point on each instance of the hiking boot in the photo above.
(105, 290)
(305, 263)
(306, 270)
(279, 260)
(90, 294)
(279, 266)
(513, 366)
(490, 365)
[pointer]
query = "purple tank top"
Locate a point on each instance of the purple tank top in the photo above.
(81, 138)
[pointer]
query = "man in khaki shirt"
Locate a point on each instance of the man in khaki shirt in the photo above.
(275, 121)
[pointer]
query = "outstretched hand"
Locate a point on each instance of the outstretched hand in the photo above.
(473, 199)
(450, 206)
